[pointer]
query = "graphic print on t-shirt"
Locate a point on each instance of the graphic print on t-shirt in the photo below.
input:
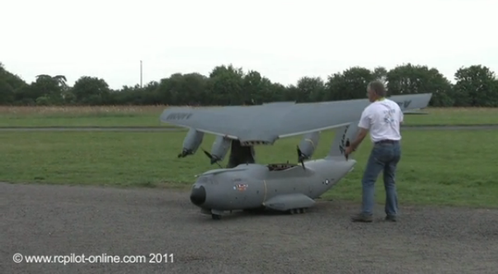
(388, 116)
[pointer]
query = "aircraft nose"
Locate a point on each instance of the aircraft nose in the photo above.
(198, 195)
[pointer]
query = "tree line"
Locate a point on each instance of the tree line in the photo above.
(475, 86)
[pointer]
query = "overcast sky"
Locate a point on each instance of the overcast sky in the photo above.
(283, 40)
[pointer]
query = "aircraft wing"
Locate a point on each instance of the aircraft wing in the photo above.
(264, 124)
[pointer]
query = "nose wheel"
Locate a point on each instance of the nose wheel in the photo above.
(216, 214)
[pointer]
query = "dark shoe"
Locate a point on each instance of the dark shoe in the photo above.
(390, 218)
(362, 218)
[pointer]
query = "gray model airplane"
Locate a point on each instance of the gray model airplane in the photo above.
(245, 185)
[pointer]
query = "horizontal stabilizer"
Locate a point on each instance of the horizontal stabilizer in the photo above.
(289, 201)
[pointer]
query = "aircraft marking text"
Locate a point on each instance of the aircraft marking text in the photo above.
(404, 104)
(342, 145)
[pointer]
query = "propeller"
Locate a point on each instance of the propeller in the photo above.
(212, 158)
(347, 145)
(301, 157)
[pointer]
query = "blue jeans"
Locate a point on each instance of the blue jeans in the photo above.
(384, 157)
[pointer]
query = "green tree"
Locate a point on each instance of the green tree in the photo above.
(47, 90)
(310, 89)
(225, 86)
(350, 84)
(256, 89)
(409, 79)
(11, 87)
(193, 88)
(476, 86)
(91, 91)
(380, 73)
(7, 94)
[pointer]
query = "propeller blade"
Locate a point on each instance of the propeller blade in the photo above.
(300, 157)
(347, 145)
(207, 153)
(213, 159)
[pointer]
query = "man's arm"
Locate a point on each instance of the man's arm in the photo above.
(361, 135)
(401, 118)
(364, 126)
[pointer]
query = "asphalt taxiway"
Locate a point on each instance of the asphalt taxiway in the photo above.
(61, 220)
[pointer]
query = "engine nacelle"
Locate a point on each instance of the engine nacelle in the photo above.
(220, 148)
(308, 145)
(191, 142)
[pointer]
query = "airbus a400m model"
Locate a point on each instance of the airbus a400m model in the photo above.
(244, 184)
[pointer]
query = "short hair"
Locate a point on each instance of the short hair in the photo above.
(377, 87)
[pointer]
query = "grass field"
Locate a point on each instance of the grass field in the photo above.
(148, 116)
(438, 167)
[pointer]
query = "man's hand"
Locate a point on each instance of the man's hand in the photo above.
(348, 151)
(354, 145)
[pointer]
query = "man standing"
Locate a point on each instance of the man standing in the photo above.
(382, 118)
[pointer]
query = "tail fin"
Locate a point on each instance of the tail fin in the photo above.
(343, 136)
(412, 102)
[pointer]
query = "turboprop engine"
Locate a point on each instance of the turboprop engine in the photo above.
(219, 149)
(307, 146)
(191, 142)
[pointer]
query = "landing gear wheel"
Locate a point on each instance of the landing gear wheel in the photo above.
(216, 216)
(297, 210)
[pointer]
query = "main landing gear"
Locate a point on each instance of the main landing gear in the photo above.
(216, 214)
(297, 211)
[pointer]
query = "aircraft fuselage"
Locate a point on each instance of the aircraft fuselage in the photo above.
(249, 186)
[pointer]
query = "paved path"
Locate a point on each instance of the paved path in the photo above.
(438, 127)
(59, 220)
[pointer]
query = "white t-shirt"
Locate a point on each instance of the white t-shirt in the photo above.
(383, 119)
